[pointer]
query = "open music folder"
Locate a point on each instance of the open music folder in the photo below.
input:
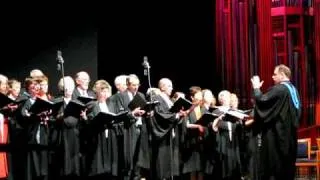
(206, 119)
(215, 112)
(5, 100)
(111, 118)
(74, 108)
(181, 104)
(86, 99)
(41, 105)
(139, 101)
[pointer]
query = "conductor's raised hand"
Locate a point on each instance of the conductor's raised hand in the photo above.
(256, 83)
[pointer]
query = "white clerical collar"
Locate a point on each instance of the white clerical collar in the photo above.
(67, 100)
(131, 94)
(82, 92)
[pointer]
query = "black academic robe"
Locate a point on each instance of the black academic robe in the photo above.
(249, 147)
(278, 120)
(131, 136)
(192, 147)
(253, 153)
(229, 163)
(37, 150)
(166, 137)
(102, 154)
(144, 153)
(211, 155)
(71, 163)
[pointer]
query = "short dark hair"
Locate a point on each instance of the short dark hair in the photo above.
(284, 69)
(194, 89)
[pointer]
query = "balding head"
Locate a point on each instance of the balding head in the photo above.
(36, 73)
(281, 73)
(165, 86)
(82, 80)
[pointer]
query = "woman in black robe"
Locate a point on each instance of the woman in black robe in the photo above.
(102, 155)
(69, 124)
(37, 129)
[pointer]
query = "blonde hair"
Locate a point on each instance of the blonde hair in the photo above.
(11, 82)
(99, 85)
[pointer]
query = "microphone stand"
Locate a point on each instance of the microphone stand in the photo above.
(60, 68)
(147, 68)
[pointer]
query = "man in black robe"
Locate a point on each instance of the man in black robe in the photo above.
(166, 128)
(132, 128)
(277, 112)
(82, 80)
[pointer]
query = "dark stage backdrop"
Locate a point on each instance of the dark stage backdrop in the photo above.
(177, 38)
(112, 39)
(31, 39)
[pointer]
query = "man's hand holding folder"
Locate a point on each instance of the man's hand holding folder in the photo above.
(181, 105)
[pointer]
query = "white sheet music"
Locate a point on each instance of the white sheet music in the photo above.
(237, 114)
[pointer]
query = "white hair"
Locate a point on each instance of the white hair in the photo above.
(164, 82)
(223, 94)
(121, 79)
(67, 80)
(3, 78)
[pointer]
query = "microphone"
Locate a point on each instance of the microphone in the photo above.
(146, 65)
(59, 60)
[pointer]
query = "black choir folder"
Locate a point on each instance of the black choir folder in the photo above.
(181, 104)
(40, 105)
(216, 111)
(139, 101)
(86, 99)
(206, 118)
(5, 100)
(109, 117)
(210, 116)
(74, 108)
